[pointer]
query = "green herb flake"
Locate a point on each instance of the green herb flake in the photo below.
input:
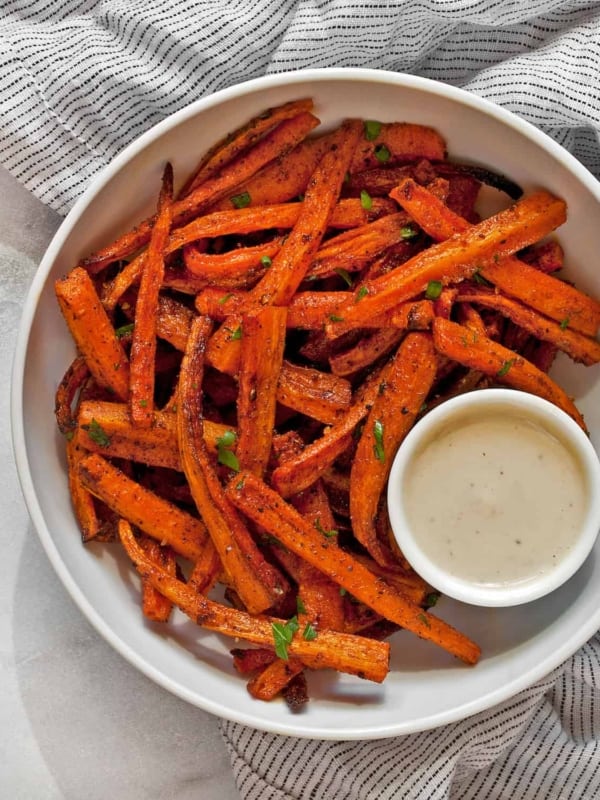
(432, 599)
(143, 403)
(282, 636)
(300, 607)
(225, 298)
(423, 618)
(330, 533)
(124, 330)
(236, 334)
(343, 592)
(335, 318)
(225, 456)
(505, 367)
(97, 433)
(406, 232)
(345, 276)
(434, 290)
(266, 261)
(362, 292)
(365, 200)
(69, 435)
(241, 200)
(239, 485)
(372, 129)
(309, 633)
(378, 436)
(478, 278)
(382, 154)
(565, 323)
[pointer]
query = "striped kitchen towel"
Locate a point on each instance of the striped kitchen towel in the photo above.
(80, 79)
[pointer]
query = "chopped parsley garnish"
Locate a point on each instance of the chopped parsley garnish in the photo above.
(365, 200)
(124, 330)
(565, 323)
(336, 318)
(236, 334)
(382, 154)
(143, 403)
(434, 290)
(266, 261)
(378, 436)
(97, 433)
(431, 599)
(309, 633)
(362, 292)
(300, 607)
(282, 636)
(225, 298)
(226, 456)
(407, 232)
(478, 278)
(372, 129)
(343, 591)
(241, 200)
(505, 367)
(321, 529)
(345, 276)
(423, 618)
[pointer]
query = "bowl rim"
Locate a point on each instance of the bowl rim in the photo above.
(255, 85)
(495, 400)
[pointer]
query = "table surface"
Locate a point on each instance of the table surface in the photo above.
(77, 720)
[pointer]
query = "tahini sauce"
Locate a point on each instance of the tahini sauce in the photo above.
(496, 499)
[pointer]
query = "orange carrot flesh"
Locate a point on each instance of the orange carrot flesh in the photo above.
(266, 508)
(493, 359)
(143, 346)
(274, 678)
(93, 332)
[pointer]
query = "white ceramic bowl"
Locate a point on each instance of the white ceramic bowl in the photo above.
(426, 687)
(526, 421)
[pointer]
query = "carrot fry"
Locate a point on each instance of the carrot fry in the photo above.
(72, 381)
(406, 382)
(366, 351)
(239, 266)
(158, 518)
(543, 292)
(251, 659)
(92, 331)
(266, 508)
(105, 427)
(274, 678)
(262, 358)
(258, 583)
(206, 571)
(398, 141)
(319, 395)
(234, 144)
(143, 345)
(581, 348)
(81, 500)
(355, 655)
(493, 359)
(155, 606)
(274, 144)
(461, 255)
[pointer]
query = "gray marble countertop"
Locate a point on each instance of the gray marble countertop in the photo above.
(77, 720)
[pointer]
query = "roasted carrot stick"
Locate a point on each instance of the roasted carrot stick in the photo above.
(275, 143)
(143, 345)
(155, 606)
(258, 583)
(503, 365)
(545, 293)
(92, 331)
(158, 518)
(347, 653)
(274, 678)
(391, 142)
(81, 499)
(265, 507)
(366, 351)
(261, 362)
(461, 255)
(406, 382)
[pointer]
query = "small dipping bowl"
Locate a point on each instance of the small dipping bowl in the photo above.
(494, 497)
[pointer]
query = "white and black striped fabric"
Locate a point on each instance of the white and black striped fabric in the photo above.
(80, 79)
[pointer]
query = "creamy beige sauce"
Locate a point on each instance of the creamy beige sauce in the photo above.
(496, 499)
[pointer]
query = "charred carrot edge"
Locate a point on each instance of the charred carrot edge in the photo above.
(261, 361)
(273, 678)
(274, 144)
(300, 472)
(581, 348)
(265, 507)
(160, 519)
(93, 332)
(234, 143)
(461, 255)
(503, 365)
(258, 583)
(235, 266)
(143, 345)
(105, 427)
(81, 500)
(410, 315)
(541, 291)
(173, 322)
(155, 606)
(316, 394)
(403, 141)
(355, 655)
(406, 382)
(71, 382)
